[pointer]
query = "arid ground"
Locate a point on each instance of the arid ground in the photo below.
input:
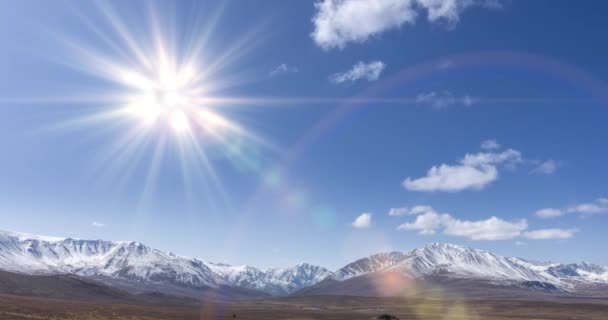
(20, 307)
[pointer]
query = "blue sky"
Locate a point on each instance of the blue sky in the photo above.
(480, 123)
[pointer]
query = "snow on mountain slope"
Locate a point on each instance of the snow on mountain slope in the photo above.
(373, 263)
(130, 260)
(298, 277)
(580, 272)
(448, 260)
(134, 261)
(24, 253)
(583, 272)
(460, 262)
(31, 254)
(274, 281)
(464, 262)
(534, 265)
(240, 276)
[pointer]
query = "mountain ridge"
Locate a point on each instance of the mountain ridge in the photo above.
(134, 261)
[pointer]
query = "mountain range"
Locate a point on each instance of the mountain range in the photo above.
(133, 265)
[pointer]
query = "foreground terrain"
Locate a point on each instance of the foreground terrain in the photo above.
(21, 307)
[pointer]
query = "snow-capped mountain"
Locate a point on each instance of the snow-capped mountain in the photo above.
(241, 276)
(39, 255)
(136, 262)
(458, 262)
(276, 281)
(464, 262)
(300, 276)
(580, 271)
(373, 263)
(129, 260)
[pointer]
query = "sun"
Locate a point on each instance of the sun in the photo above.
(170, 98)
(164, 93)
(174, 104)
(173, 97)
(165, 98)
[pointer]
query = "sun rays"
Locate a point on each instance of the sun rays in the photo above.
(163, 96)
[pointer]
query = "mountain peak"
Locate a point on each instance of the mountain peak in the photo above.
(447, 246)
(132, 260)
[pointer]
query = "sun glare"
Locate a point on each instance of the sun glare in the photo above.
(178, 121)
(160, 91)
(165, 100)
(211, 121)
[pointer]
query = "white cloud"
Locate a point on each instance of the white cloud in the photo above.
(429, 222)
(363, 221)
(474, 172)
(408, 211)
(339, 22)
(550, 213)
(420, 209)
(453, 178)
(490, 144)
(282, 69)
(492, 228)
(450, 10)
(446, 10)
(398, 211)
(490, 158)
(369, 71)
(589, 208)
(97, 224)
(547, 234)
(546, 167)
(444, 100)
